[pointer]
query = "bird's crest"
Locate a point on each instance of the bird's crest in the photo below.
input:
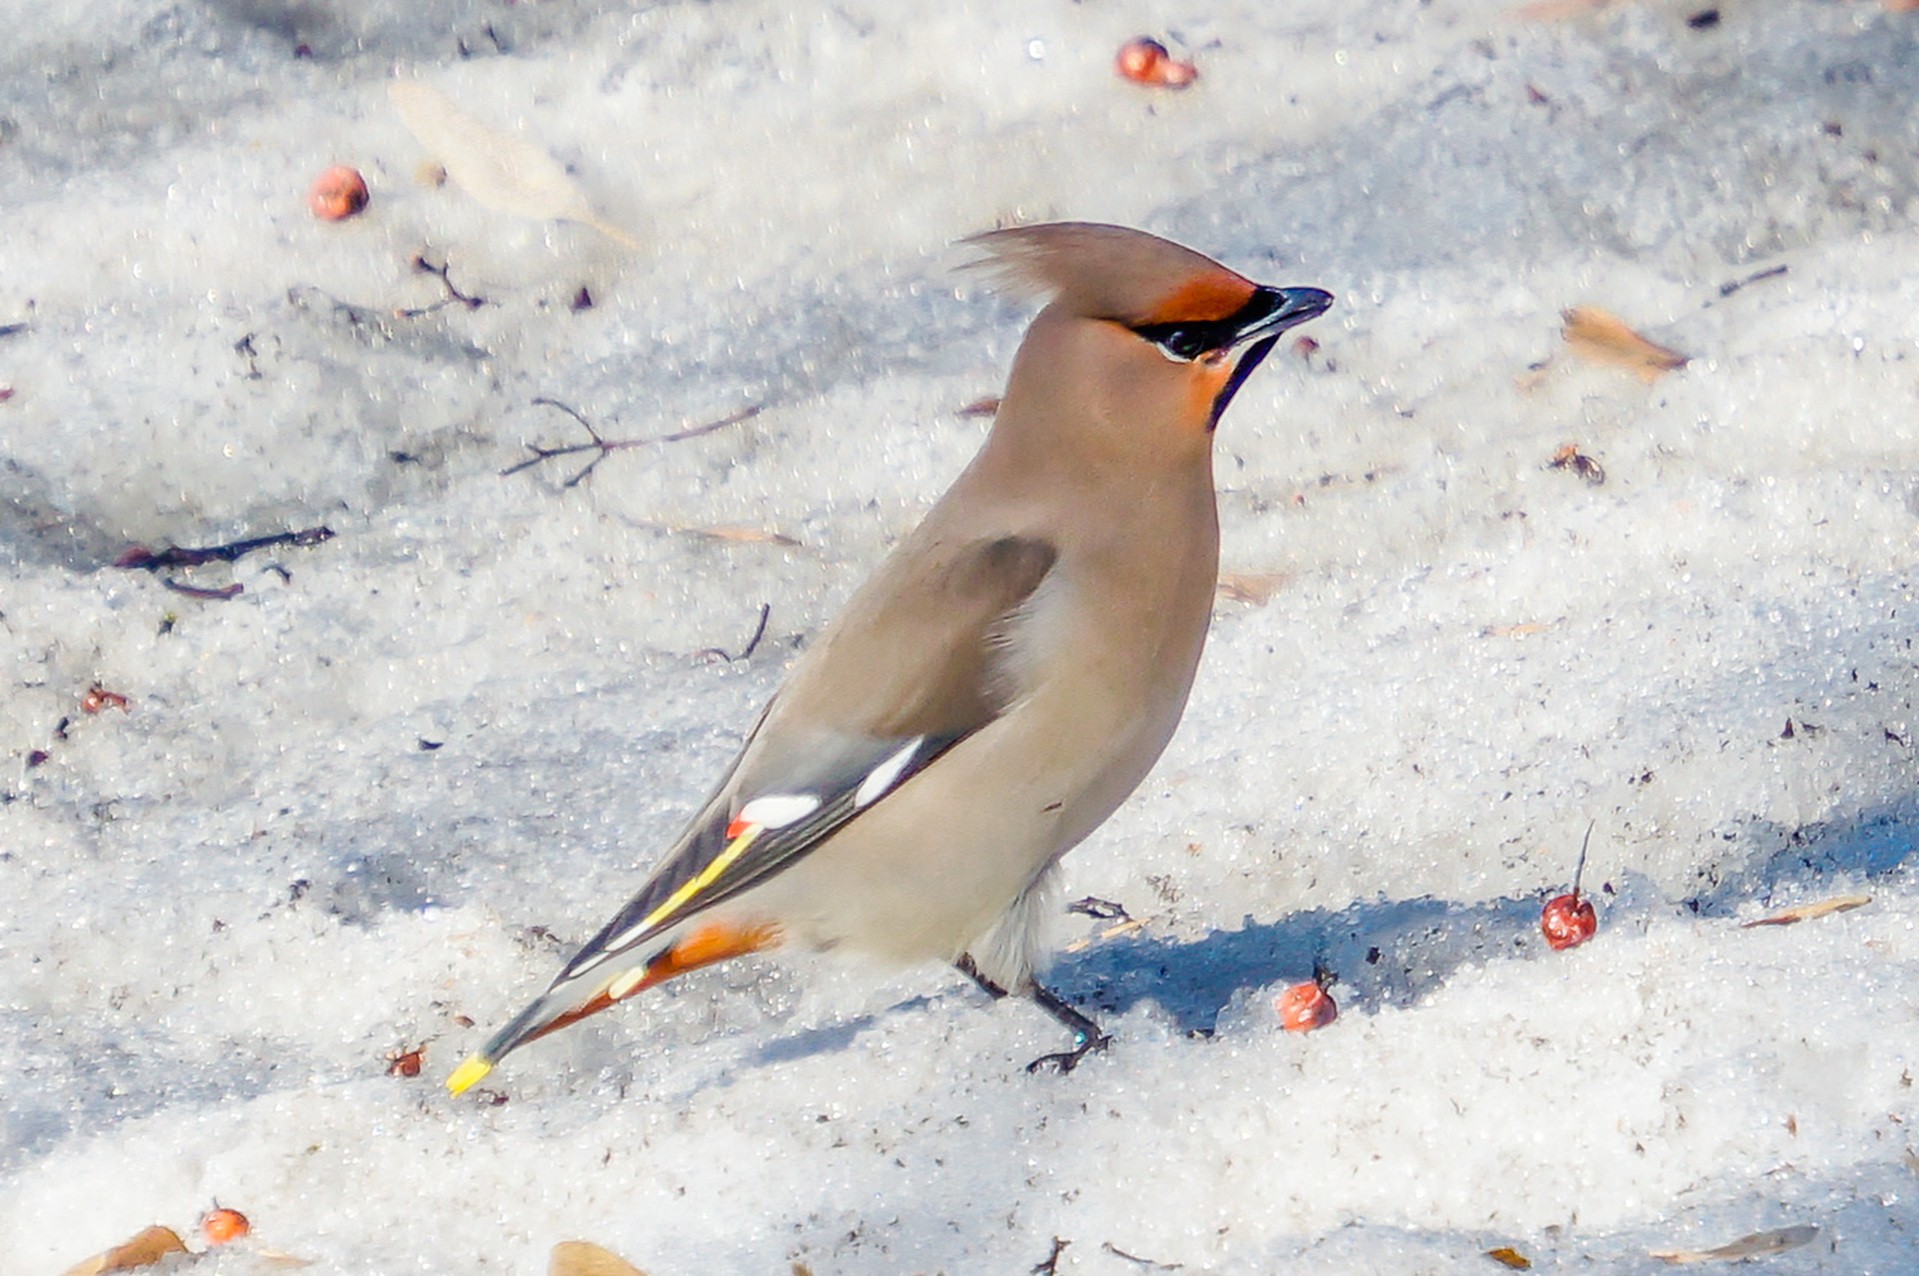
(1110, 272)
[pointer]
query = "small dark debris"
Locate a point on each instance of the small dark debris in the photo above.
(1893, 737)
(428, 746)
(1372, 956)
(1153, 1263)
(1771, 272)
(454, 296)
(208, 595)
(752, 644)
(60, 728)
(140, 558)
(492, 1098)
(12, 329)
(402, 458)
(37, 757)
(1049, 1266)
(1704, 20)
(1103, 909)
(1571, 458)
(245, 348)
(297, 889)
(582, 300)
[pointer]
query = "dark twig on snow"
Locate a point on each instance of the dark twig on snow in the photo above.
(453, 295)
(607, 447)
(210, 595)
(1049, 1266)
(140, 558)
(752, 644)
(1732, 286)
(1155, 1264)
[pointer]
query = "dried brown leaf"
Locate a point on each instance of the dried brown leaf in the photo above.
(740, 535)
(143, 1250)
(1776, 1241)
(1806, 912)
(1600, 336)
(1256, 588)
(502, 171)
(1507, 1256)
(584, 1258)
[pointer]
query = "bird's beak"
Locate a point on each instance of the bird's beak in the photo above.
(1259, 324)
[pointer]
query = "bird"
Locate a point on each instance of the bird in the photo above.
(1004, 679)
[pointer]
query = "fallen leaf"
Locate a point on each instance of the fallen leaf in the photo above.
(144, 1250)
(502, 171)
(1602, 337)
(740, 535)
(1806, 912)
(1256, 588)
(1776, 1241)
(1507, 1256)
(1523, 630)
(583, 1258)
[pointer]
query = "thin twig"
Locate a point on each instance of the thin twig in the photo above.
(140, 558)
(1579, 869)
(607, 447)
(752, 644)
(211, 595)
(453, 295)
(1049, 1266)
(1771, 272)
(1153, 1263)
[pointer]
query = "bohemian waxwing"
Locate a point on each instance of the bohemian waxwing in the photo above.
(1006, 677)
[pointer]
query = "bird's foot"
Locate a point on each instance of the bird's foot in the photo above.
(1066, 1060)
(1088, 1037)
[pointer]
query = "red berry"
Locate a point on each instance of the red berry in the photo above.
(1567, 921)
(1144, 60)
(1304, 1007)
(337, 194)
(220, 1226)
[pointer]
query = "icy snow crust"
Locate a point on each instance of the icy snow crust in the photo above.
(224, 906)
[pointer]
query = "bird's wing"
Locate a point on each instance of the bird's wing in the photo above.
(913, 667)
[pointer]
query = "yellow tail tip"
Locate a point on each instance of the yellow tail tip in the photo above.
(468, 1074)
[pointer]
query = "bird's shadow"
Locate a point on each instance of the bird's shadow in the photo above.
(1393, 952)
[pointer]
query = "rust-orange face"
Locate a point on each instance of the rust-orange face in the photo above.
(1211, 318)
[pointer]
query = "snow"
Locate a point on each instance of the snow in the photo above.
(373, 800)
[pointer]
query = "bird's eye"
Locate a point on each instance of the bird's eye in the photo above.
(1182, 345)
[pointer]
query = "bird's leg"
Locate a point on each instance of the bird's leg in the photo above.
(1088, 1037)
(966, 967)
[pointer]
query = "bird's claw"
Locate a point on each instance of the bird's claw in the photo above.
(1066, 1060)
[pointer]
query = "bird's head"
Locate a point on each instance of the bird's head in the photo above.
(1142, 340)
